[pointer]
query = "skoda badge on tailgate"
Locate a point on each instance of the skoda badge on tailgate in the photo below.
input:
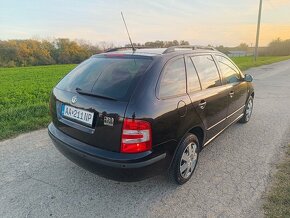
(74, 99)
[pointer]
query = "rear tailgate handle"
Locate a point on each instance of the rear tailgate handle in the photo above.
(202, 104)
(231, 93)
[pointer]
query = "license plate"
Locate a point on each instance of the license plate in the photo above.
(76, 114)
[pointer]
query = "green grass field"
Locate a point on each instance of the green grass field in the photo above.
(245, 63)
(24, 94)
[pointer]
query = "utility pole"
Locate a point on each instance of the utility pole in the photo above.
(258, 30)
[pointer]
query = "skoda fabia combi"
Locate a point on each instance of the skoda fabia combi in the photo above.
(131, 114)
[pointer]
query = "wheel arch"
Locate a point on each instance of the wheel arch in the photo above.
(199, 132)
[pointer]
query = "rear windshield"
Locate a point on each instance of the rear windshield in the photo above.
(112, 77)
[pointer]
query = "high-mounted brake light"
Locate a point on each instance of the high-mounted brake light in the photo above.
(114, 55)
(136, 136)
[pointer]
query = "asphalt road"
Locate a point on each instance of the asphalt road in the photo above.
(232, 175)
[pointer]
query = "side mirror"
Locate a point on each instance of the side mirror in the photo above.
(248, 78)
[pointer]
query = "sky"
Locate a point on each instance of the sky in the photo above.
(202, 22)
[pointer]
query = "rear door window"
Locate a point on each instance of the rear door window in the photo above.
(207, 71)
(112, 77)
(173, 81)
(193, 84)
(230, 72)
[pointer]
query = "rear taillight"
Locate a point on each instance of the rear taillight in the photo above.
(136, 136)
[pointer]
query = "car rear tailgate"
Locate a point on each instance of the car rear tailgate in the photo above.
(101, 134)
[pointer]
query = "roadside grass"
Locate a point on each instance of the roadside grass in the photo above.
(245, 63)
(24, 93)
(278, 198)
(24, 97)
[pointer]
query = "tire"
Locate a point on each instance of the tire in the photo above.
(248, 110)
(185, 160)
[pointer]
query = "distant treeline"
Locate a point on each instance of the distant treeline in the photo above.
(279, 47)
(161, 44)
(32, 52)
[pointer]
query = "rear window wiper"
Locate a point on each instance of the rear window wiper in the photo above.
(80, 91)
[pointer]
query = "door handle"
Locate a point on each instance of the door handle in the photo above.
(202, 104)
(231, 94)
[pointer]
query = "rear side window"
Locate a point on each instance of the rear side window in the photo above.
(207, 71)
(112, 77)
(229, 71)
(192, 78)
(173, 81)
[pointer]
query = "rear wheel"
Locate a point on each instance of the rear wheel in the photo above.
(248, 111)
(185, 160)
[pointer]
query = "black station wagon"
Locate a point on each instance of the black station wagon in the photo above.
(128, 114)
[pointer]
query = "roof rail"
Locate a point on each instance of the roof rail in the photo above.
(123, 48)
(192, 47)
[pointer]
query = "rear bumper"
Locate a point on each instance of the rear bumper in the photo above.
(112, 165)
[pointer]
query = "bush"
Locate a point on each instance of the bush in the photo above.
(33, 52)
(279, 47)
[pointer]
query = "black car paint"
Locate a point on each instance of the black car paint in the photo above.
(97, 135)
(170, 118)
(112, 165)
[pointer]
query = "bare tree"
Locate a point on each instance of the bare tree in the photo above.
(106, 45)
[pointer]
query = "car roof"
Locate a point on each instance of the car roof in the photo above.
(153, 52)
(142, 51)
(161, 51)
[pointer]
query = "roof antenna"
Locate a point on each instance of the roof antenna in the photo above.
(133, 48)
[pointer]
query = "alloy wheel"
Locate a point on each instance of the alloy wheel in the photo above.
(249, 109)
(188, 160)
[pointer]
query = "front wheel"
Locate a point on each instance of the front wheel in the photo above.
(185, 160)
(248, 111)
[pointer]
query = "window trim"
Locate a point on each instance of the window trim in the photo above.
(188, 57)
(217, 67)
(157, 89)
